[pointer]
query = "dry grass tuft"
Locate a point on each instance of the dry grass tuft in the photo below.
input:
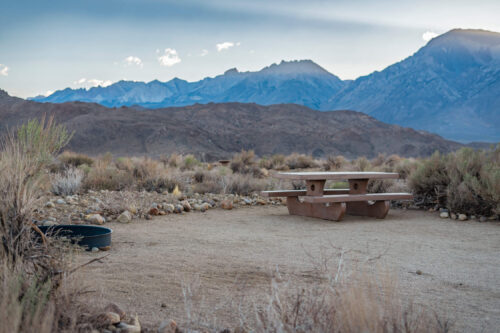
(35, 295)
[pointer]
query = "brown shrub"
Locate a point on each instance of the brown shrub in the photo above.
(300, 161)
(101, 177)
(361, 164)
(245, 163)
(274, 162)
(335, 163)
(69, 158)
(175, 160)
(243, 184)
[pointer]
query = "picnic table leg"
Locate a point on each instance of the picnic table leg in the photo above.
(332, 211)
(378, 209)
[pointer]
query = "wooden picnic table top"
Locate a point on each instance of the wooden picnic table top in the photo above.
(345, 175)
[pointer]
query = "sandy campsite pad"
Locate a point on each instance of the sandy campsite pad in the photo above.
(233, 254)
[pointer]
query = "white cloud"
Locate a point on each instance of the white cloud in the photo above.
(4, 70)
(131, 60)
(428, 35)
(88, 83)
(169, 57)
(225, 45)
(204, 52)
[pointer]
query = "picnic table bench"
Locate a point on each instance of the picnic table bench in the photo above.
(332, 204)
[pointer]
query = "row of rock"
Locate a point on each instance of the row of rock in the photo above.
(445, 214)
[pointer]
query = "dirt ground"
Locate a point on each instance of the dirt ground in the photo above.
(236, 252)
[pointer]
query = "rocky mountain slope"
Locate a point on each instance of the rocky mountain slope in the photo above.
(451, 87)
(213, 131)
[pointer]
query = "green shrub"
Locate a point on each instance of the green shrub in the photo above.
(430, 180)
(189, 162)
(474, 185)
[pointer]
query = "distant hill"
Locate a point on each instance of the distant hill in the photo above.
(451, 87)
(214, 131)
(300, 82)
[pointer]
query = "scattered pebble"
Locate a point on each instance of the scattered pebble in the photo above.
(125, 217)
(444, 215)
(462, 217)
(95, 219)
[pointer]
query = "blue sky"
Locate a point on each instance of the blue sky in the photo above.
(50, 45)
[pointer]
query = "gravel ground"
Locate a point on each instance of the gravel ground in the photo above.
(232, 254)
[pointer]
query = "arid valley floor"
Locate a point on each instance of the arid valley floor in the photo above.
(451, 267)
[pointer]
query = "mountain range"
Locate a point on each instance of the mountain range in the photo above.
(218, 130)
(451, 87)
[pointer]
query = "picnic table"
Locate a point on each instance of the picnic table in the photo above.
(332, 204)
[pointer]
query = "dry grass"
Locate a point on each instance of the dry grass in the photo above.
(72, 159)
(34, 292)
(300, 161)
(68, 182)
(334, 301)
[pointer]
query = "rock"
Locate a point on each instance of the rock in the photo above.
(132, 209)
(247, 201)
(48, 223)
(226, 204)
(483, 219)
(185, 204)
(112, 307)
(134, 327)
(178, 209)
(444, 210)
(148, 217)
(154, 211)
(105, 248)
(50, 204)
(169, 208)
(60, 202)
(418, 272)
(113, 317)
(168, 326)
(473, 217)
(95, 219)
(205, 206)
(261, 201)
(493, 218)
(163, 305)
(462, 217)
(453, 216)
(444, 215)
(125, 217)
(197, 207)
(94, 249)
(162, 212)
